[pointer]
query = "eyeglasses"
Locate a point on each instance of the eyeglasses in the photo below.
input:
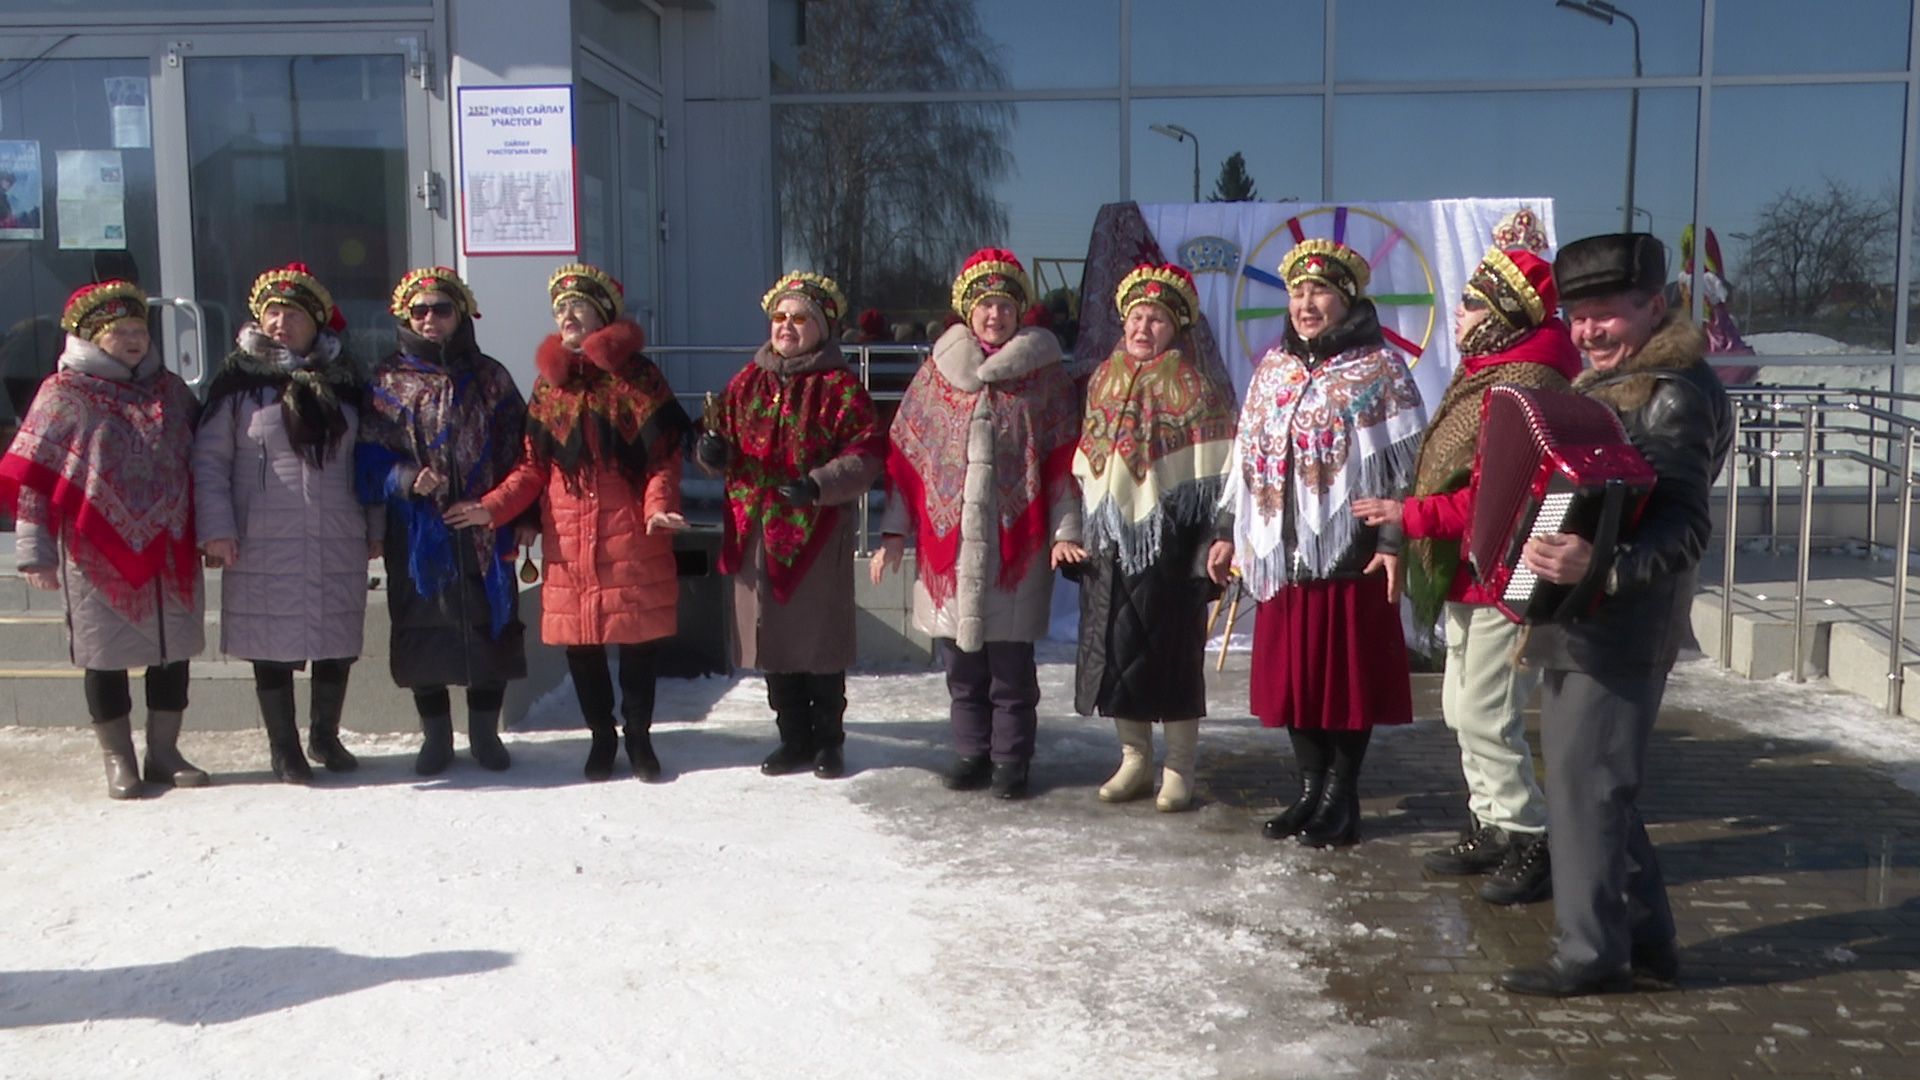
(797, 318)
(441, 308)
(1471, 302)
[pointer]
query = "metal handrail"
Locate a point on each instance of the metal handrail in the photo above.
(863, 352)
(1810, 408)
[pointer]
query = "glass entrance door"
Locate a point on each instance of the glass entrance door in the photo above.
(190, 164)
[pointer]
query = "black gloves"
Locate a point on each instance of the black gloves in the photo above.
(802, 492)
(712, 451)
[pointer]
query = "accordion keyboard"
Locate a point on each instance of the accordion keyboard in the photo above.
(1550, 518)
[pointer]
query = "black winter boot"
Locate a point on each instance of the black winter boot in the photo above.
(1337, 821)
(329, 701)
(1525, 876)
(1009, 780)
(640, 755)
(828, 712)
(1481, 850)
(283, 734)
(968, 773)
(483, 740)
(436, 745)
(789, 697)
(1295, 817)
(606, 745)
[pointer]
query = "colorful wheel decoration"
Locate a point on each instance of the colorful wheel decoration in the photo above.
(1383, 243)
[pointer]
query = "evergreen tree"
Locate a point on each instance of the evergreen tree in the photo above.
(1233, 184)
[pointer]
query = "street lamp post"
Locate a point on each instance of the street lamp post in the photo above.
(1606, 13)
(1180, 134)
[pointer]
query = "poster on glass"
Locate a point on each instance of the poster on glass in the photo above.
(20, 190)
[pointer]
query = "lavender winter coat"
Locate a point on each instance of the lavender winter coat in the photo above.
(298, 590)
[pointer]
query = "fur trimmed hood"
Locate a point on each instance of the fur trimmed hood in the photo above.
(1676, 345)
(968, 367)
(610, 348)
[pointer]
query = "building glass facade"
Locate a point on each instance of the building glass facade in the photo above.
(929, 127)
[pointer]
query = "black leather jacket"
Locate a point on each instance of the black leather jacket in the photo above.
(1678, 415)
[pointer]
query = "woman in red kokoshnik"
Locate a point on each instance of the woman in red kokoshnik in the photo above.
(100, 480)
(979, 472)
(602, 460)
(798, 440)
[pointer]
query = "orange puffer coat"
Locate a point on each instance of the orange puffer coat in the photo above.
(608, 581)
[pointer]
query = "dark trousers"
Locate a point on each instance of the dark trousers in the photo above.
(593, 685)
(809, 708)
(996, 699)
(110, 693)
(1607, 889)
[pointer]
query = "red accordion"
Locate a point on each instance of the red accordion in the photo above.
(1549, 462)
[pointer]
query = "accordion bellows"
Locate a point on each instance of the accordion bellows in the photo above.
(1550, 462)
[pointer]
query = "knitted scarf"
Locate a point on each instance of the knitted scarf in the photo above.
(1154, 448)
(108, 452)
(786, 416)
(1544, 360)
(1325, 421)
(312, 389)
(455, 409)
(607, 402)
(1034, 428)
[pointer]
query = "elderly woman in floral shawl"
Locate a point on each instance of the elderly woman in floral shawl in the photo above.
(798, 439)
(1330, 415)
(98, 480)
(979, 473)
(1151, 464)
(443, 423)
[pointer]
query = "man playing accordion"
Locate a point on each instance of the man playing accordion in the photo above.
(1604, 674)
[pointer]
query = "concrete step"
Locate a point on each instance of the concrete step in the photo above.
(42, 635)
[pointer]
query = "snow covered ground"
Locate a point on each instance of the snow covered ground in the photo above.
(724, 924)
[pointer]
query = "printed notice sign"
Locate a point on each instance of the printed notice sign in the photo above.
(516, 170)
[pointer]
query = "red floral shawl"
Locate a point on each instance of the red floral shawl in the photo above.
(785, 417)
(607, 402)
(1036, 425)
(112, 460)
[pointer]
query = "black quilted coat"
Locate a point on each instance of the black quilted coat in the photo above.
(1143, 637)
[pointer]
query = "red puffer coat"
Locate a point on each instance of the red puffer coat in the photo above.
(608, 581)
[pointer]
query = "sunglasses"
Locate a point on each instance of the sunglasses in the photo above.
(1471, 302)
(441, 308)
(797, 318)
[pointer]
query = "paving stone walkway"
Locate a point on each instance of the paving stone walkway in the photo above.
(1795, 877)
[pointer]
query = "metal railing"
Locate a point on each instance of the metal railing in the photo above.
(908, 357)
(1806, 419)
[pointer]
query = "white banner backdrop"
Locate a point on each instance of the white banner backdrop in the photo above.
(1421, 254)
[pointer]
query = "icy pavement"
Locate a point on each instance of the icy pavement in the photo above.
(721, 924)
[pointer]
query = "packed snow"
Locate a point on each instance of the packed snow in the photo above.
(723, 924)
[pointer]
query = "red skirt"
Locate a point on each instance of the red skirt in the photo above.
(1330, 655)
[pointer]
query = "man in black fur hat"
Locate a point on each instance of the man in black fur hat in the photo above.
(1605, 674)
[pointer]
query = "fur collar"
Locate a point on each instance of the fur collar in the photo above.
(610, 348)
(827, 357)
(87, 358)
(1676, 345)
(967, 366)
(255, 343)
